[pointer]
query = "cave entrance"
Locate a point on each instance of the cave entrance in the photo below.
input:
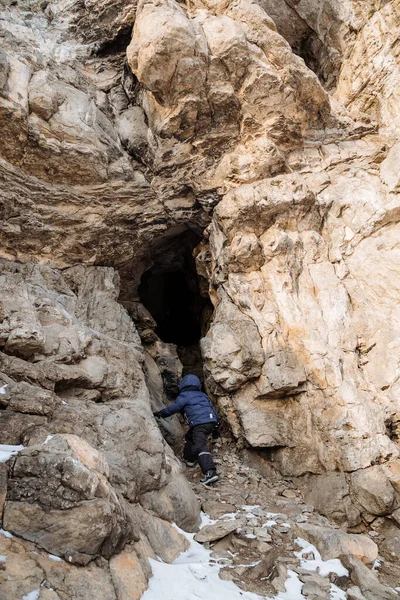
(177, 298)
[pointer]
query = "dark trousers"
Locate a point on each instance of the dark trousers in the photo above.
(196, 447)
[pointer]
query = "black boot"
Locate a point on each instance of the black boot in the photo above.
(210, 477)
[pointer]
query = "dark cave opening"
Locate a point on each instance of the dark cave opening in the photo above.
(177, 298)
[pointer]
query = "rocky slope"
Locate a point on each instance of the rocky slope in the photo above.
(264, 133)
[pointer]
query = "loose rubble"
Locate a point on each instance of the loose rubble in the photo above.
(268, 538)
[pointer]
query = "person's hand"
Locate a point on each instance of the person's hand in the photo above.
(157, 414)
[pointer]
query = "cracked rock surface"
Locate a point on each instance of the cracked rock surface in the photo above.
(267, 131)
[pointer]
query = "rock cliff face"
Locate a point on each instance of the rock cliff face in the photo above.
(266, 135)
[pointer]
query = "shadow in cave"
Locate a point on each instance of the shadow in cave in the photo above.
(177, 299)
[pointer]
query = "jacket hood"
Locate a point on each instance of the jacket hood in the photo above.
(190, 380)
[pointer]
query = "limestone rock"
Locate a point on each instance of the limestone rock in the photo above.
(231, 362)
(373, 491)
(124, 124)
(24, 398)
(365, 579)
(218, 530)
(127, 574)
(26, 569)
(354, 593)
(332, 543)
(329, 494)
(72, 507)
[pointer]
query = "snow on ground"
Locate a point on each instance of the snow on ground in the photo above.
(6, 452)
(194, 575)
(32, 595)
(3, 558)
(6, 534)
(55, 558)
(323, 567)
(293, 587)
(230, 516)
(337, 593)
(3, 390)
(269, 523)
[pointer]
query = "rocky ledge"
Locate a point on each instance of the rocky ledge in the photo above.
(210, 187)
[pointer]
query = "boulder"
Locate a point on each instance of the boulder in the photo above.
(218, 530)
(354, 593)
(373, 491)
(366, 580)
(25, 398)
(329, 494)
(232, 348)
(332, 543)
(127, 575)
(72, 509)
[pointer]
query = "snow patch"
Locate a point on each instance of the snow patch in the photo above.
(336, 593)
(293, 588)
(6, 452)
(229, 516)
(194, 575)
(269, 523)
(55, 558)
(6, 534)
(32, 595)
(3, 390)
(206, 520)
(323, 567)
(3, 558)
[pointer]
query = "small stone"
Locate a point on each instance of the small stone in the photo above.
(354, 593)
(300, 519)
(289, 494)
(218, 530)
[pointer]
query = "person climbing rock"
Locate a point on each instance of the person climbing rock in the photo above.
(202, 419)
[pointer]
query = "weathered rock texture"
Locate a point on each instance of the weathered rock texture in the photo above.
(125, 124)
(96, 474)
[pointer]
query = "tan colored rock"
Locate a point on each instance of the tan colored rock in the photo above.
(74, 511)
(389, 169)
(366, 580)
(373, 56)
(373, 491)
(231, 362)
(332, 543)
(329, 494)
(354, 593)
(218, 530)
(165, 541)
(392, 471)
(216, 119)
(24, 398)
(128, 578)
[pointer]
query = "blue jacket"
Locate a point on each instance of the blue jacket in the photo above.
(193, 403)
